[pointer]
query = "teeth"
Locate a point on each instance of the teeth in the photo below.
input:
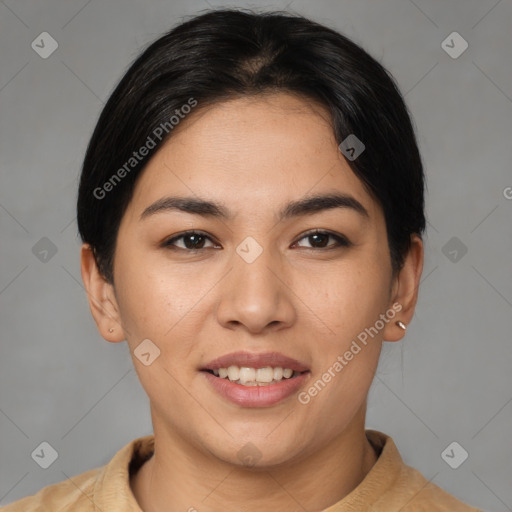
(247, 374)
(264, 375)
(233, 373)
(254, 376)
(278, 373)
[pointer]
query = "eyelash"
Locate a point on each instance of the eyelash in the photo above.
(341, 241)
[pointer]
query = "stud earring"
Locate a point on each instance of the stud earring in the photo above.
(401, 325)
(111, 329)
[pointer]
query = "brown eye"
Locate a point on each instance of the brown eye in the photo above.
(192, 241)
(319, 240)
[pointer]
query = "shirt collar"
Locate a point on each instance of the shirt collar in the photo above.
(379, 480)
(112, 491)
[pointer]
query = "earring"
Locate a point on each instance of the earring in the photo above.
(111, 329)
(401, 325)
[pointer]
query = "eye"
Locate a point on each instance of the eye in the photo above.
(195, 241)
(192, 241)
(319, 239)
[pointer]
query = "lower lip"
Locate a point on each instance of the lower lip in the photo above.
(256, 396)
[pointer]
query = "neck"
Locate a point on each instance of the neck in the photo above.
(181, 478)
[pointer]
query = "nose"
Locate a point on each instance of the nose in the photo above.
(254, 296)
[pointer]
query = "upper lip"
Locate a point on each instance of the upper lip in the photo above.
(251, 360)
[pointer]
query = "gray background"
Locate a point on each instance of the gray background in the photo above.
(449, 380)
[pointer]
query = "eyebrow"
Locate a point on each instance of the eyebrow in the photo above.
(304, 206)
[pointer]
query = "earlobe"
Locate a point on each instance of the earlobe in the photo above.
(405, 290)
(401, 325)
(101, 297)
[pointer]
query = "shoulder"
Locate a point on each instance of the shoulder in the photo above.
(396, 486)
(104, 488)
(71, 494)
(425, 496)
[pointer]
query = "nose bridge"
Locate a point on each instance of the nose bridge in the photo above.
(252, 270)
(253, 295)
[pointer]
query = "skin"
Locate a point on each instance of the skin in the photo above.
(254, 155)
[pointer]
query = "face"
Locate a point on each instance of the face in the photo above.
(269, 278)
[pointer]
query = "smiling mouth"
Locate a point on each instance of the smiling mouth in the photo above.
(247, 376)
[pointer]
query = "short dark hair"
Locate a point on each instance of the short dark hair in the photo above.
(229, 53)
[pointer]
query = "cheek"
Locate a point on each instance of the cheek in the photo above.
(159, 301)
(143, 294)
(350, 302)
(349, 298)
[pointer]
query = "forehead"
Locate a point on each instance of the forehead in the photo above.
(251, 152)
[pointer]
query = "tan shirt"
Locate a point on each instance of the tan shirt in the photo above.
(390, 486)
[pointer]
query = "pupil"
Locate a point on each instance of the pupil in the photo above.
(319, 240)
(316, 236)
(194, 244)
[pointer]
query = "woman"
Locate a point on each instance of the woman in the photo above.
(251, 207)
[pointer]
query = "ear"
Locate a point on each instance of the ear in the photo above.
(404, 290)
(102, 300)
